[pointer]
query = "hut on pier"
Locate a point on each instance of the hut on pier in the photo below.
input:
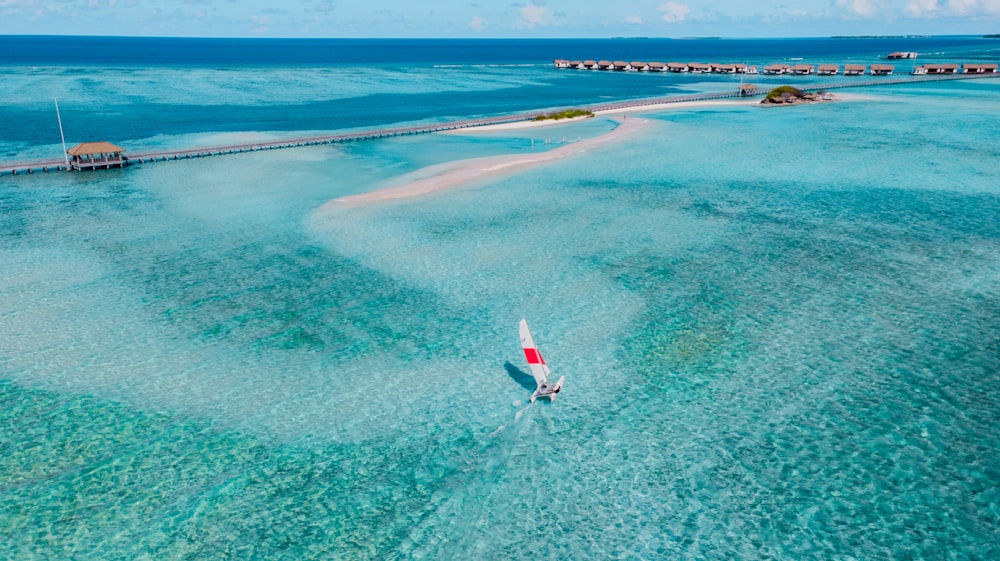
(777, 69)
(941, 68)
(677, 67)
(803, 69)
(881, 69)
(699, 68)
(979, 68)
(96, 155)
(828, 70)
(854, 69)
(657, 67)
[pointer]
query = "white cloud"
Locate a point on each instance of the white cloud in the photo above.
(917, 8)
(533, 15)
(260, 24)
(936, 8)
(974, 7)
(633, 20)
(674, 12)
(862, 8)
(478, 23)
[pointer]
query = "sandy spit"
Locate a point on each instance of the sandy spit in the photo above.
(455, 174)
(519, 125)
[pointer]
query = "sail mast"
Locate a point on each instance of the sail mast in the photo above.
(61, 135)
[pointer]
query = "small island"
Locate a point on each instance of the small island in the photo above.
(568, 114)
(789, 95)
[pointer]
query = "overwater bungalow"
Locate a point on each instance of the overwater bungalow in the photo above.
(699, 68)
(561, 63)
(979, 68)
(941, 68)
(854, 69)
(621, 65)
(657, 67)
(724, 68)
(828, 70)
(919, 70)
(638, 66)
(677, 67)
(747, 90)
(578, 64)
(590, 64)
(777, 69)
(605, 65)
(744, 69)
(96, 155)
(881, 69)
(803, 69)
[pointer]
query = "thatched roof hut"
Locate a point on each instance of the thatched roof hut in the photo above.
(941, 68)
(881, 69)
(93, 155)
(980, 68)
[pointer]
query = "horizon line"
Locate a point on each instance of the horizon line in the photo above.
(467, 38)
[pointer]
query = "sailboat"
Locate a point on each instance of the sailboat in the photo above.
(539, 370)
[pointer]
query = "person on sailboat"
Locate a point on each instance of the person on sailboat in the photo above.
(539, 370)
(546, 390)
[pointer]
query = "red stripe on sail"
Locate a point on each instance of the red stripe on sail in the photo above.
(533, 356)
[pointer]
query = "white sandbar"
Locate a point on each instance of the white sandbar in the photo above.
(519, 125)
(455, 174)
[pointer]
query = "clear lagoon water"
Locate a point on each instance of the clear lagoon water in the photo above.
(780, 328)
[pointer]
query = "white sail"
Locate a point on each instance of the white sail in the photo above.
(539, 370)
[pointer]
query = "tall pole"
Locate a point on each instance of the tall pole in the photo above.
(61, 135)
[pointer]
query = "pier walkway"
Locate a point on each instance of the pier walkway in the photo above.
(16, 168)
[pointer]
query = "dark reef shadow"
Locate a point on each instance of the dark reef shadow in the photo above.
(524, 379)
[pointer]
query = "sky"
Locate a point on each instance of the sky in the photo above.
(499, 19)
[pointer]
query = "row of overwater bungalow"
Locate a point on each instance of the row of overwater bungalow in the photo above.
(637, 66)
(773, 69)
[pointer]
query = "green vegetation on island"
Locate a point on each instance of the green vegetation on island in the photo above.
(792, 95)
(783, 92)
(568, 114)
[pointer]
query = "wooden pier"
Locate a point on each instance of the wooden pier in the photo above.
(53, 165)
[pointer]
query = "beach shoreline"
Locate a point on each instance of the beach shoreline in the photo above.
(461, 172)
(525, 125)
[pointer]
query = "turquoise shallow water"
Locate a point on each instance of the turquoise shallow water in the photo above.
(779, 329)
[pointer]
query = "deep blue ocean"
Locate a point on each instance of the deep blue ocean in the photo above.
(779, 327)
(135, 88)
